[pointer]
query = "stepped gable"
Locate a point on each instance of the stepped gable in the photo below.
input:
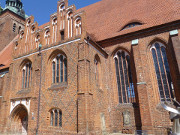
(105, 19)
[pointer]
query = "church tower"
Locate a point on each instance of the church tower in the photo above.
(12, 19)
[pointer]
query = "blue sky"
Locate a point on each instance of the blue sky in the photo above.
(42, 9)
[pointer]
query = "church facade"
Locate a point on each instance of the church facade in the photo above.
(102, 69)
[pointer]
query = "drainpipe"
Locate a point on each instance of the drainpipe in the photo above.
(39, 97)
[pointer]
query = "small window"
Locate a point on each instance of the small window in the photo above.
(14, 27)
(78, 26)
(62, 35)
(56, 117)
(19, 29)
(21, 34)
(62, 6)
(32, 28)
(131, 25)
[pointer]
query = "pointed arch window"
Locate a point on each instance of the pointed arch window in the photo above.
(37, 40)
(54, 34)
(78, 26)
(59, 69)
(70, 23)
(162, 69)
(124, 77)
(26, 75)
(47, 36)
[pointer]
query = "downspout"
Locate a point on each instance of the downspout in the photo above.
(39, 97)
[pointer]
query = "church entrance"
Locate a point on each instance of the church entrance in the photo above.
(19, 120)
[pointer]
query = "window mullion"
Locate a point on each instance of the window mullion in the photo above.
(165, 73)
(118, 80)
(121, 77)
(158, 68)
(166, 69)
(23, 78)
(125, 78)
(123, 81)
(160, 61)
(26, 76)
(57, 72)
(128, 83)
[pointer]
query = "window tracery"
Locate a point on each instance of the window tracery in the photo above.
(26, 75)
(59, 69)
(162, 69)
(124, 77)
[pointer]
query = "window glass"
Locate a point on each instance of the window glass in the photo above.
(124, 78)
(162, 71)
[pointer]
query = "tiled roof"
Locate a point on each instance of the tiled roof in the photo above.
(106, 18)
(6, 55)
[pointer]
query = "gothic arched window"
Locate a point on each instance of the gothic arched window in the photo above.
(26, 75)
(47, 35)
(162, 69)
(124, 77)
(56, 117)
(54, 34)
(70, 23)
(59, 69)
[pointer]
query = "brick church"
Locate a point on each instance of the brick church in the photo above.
(104, 69)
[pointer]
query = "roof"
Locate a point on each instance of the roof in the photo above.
(106, 18)
(44, 25)
(6, 55)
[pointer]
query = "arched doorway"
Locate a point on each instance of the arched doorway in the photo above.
(19, 120)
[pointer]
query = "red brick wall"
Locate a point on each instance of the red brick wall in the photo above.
(7, 20)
